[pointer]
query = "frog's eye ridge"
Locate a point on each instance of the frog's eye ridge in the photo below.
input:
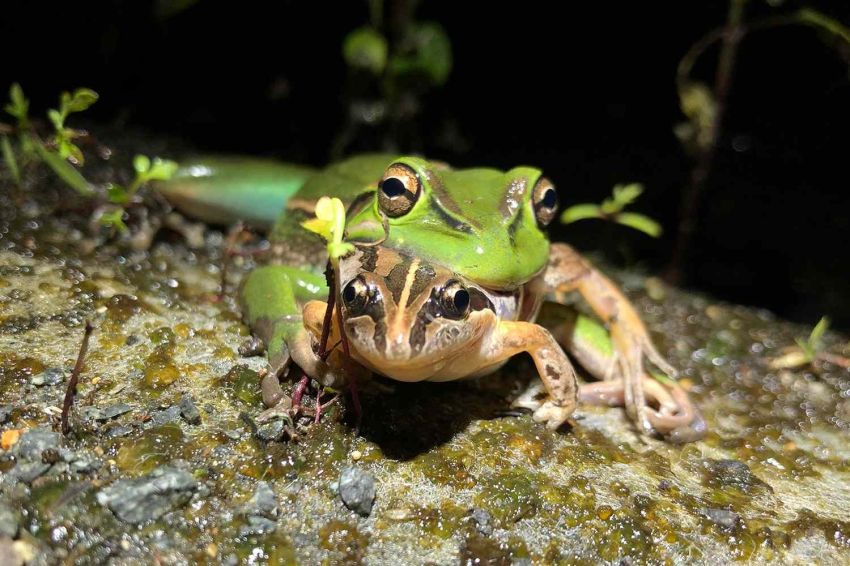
(398, 190)
(455, 300)
(545, 201)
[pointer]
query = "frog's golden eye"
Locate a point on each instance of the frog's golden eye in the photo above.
(545, 201)
(398, 190)
(355, 296)
(454, 300)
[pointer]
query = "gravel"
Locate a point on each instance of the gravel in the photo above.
(357, 490)
(149, 497)
(189, 411)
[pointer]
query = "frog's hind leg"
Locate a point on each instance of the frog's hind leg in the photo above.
(271, 298)
(669, 409)
(630, 342)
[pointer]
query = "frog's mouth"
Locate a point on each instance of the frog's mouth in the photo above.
(413, 354)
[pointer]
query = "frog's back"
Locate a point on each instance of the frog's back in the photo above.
(345, 180)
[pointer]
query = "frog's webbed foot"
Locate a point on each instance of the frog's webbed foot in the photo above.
(632, 346)
(669, 410)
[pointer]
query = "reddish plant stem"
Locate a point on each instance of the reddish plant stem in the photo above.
(71, 391)
(298, 394)
(330, 277)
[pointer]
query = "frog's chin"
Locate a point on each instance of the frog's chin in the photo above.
(434, 365)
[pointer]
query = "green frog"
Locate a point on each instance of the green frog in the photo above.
(446, 281)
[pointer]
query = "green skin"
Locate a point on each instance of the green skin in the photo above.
(459, 221)
(479, 223)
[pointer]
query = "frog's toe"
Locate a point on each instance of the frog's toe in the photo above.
(283, 409)
(532, 397)
(552, 414)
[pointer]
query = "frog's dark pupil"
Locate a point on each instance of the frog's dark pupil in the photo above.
(393, 187)
(461, 300)
(349, 293)
(550, 198)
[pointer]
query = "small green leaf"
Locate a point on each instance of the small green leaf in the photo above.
(807, 349)
(81, 99)
(431, 54)
(627, 194)
(365, 48)
(639, 222)
(621, 197)
(64, 170)
(114, 219)
(56, 119)
(580, 212)
(117, 194)
(18, 105)
(142, 164)
(824, 22)
(161, 169)
(817, 333)
(10, 159)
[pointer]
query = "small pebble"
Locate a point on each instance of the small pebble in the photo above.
(253, 346)
(5, 413)
(148, 497)
(356, 455)
(271, 430)
(257, 526)
(132, 340)
(721, 517)
(107, 413)
(189, 410)
(483, 521)
(27, 472)
(118, 431)
(50, 376)
(263, 502)
(168, 415)
(35, 441)
(357, 490)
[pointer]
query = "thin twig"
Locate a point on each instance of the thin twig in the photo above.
(75, 376)
(330, 278)
(229, 251)
(732, 33)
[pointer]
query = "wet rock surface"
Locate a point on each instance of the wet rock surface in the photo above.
(458, 477)
(149, 497)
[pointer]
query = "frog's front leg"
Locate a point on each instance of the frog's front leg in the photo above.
(555, 370)
(270, 298)
(568, 271)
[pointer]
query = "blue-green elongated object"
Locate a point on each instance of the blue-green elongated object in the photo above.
(222, 189)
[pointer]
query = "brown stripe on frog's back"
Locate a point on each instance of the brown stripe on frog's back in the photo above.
(514, 226)
(446, 202)
(368, 258)
(397, 279)
(421, 280)
(387, 260)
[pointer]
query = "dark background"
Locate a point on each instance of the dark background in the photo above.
(583, 90)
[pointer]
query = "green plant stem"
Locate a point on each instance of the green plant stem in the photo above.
(9, 158)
